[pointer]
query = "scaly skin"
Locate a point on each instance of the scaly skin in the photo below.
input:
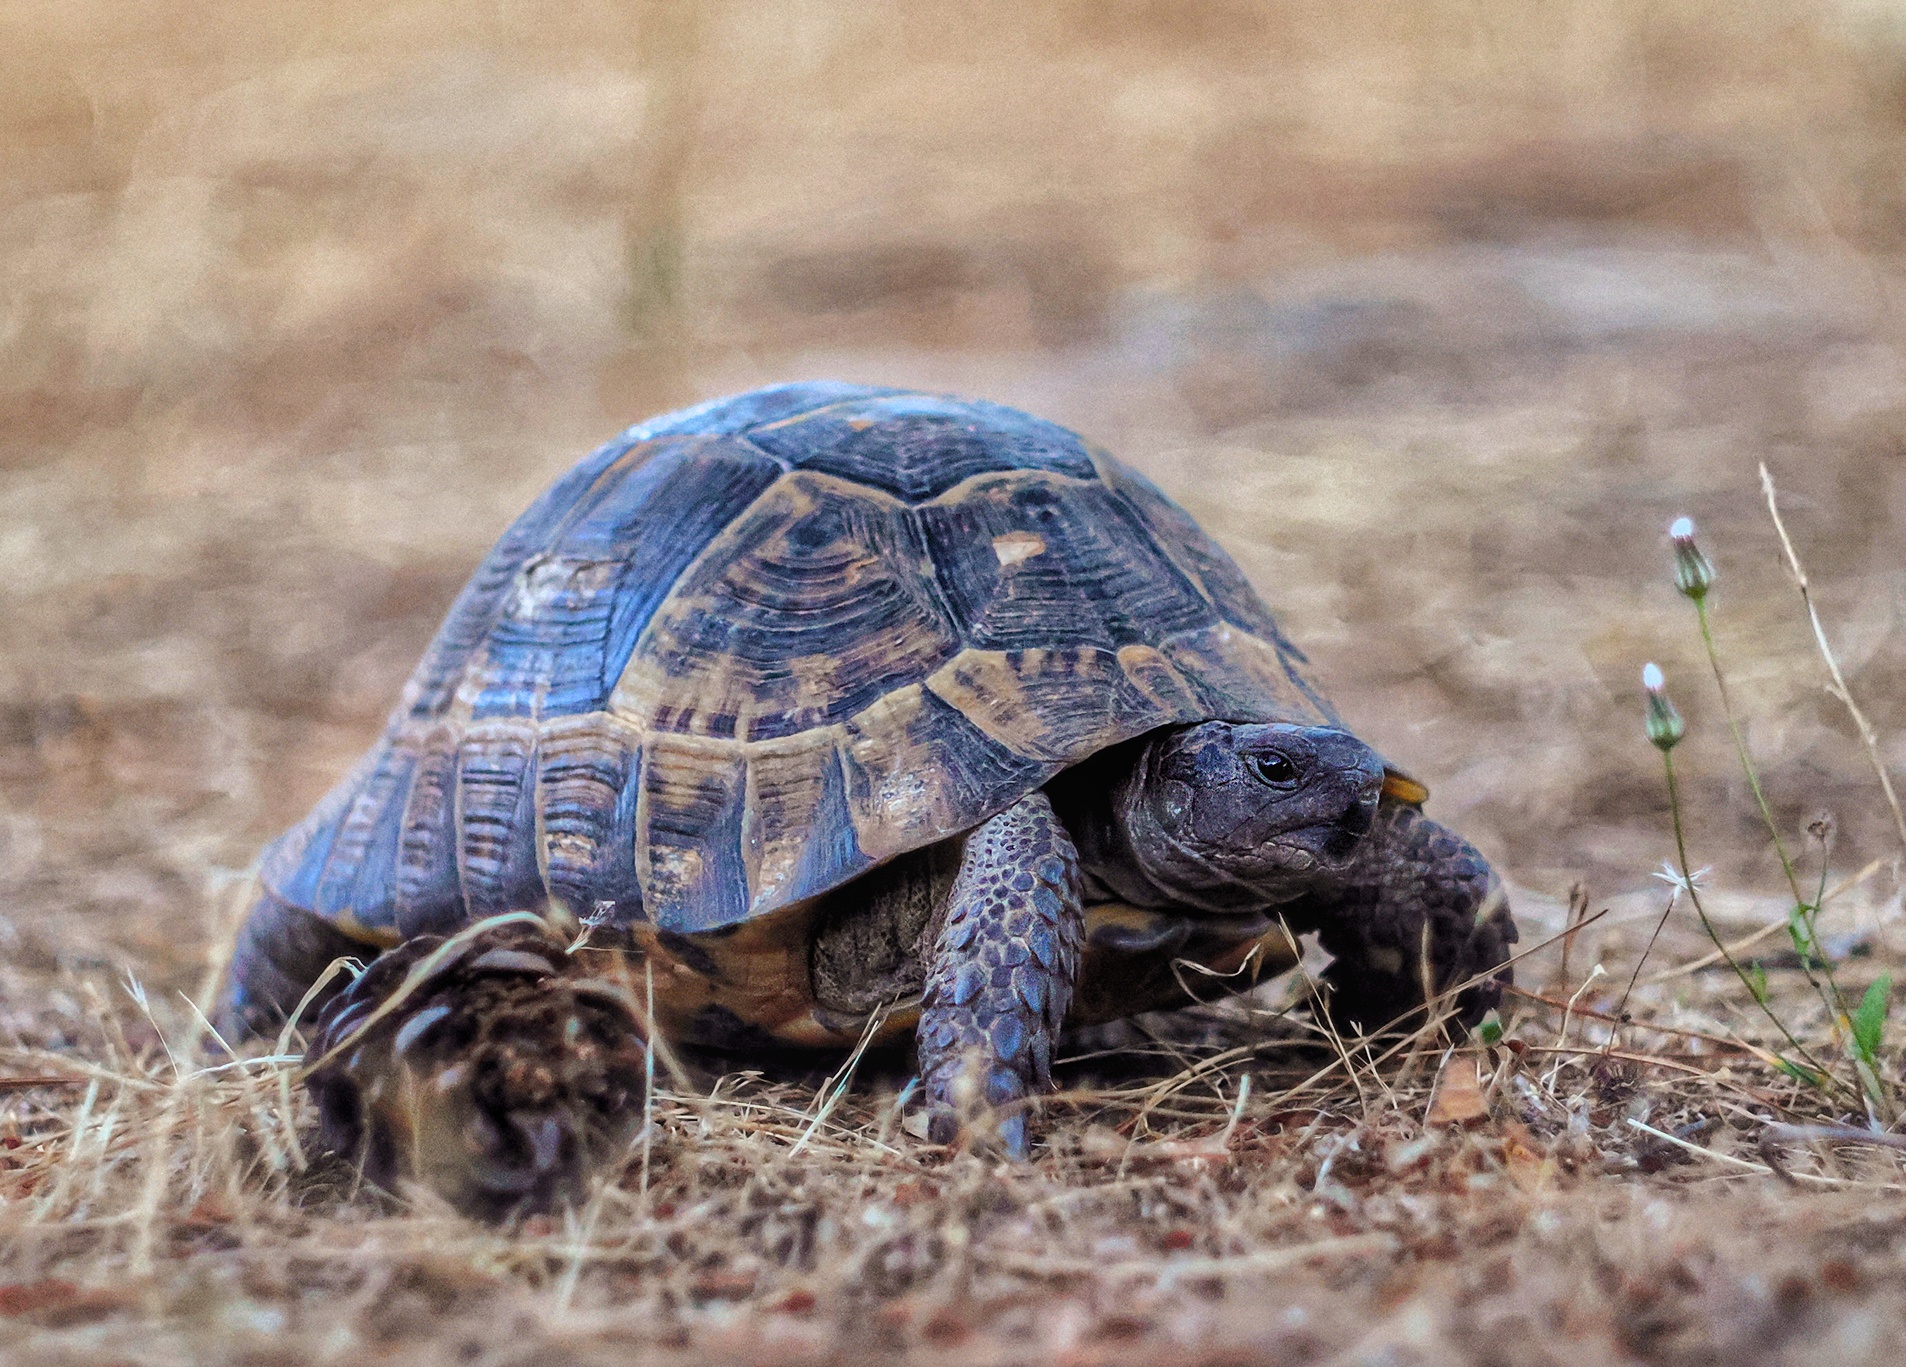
(1410, 876)
(1002, 971)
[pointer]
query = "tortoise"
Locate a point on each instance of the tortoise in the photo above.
(843, 712)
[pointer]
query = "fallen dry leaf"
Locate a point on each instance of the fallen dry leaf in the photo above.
(1458, 1099)
(1531, 1168)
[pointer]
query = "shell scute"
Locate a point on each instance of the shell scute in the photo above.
(916, 767)
(359, 878)
(1169, 529)
(496, 818)
(918, 446)
(544, 655)
(1044, 704)
(575, 608)
(806, 610)
(293, 864)
(1096, 578)
(704, 488)
(688, 829)
(434, 683)
(429, 885)
(587, 786)
(799, 827)
(738, 413)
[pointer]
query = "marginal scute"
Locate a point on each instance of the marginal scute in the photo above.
(916, 769)
(688, 828)
(798, 833)
(587, 787)
(496, 818)
(294, 863)
(429, 892)
(360, 872)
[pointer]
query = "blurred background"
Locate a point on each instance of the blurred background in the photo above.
(1434, 312)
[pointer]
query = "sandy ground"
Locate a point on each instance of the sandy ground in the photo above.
(1433, 320)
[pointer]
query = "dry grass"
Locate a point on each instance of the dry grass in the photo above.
(1246, 1190)
(1435, 315)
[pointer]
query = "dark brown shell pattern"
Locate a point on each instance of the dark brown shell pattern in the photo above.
(751, 649)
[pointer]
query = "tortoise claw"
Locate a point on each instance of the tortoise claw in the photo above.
(1417, 888)
(993, 1116)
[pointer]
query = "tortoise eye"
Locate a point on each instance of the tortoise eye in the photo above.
(1272, 768)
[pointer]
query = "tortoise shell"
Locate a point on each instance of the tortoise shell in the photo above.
(751, 649)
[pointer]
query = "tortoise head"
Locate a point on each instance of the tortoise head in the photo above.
(1228, 816)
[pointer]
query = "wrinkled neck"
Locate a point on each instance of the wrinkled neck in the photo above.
(1091, 799)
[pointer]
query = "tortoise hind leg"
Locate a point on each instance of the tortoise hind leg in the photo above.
(1002, 970)
(491, 1065)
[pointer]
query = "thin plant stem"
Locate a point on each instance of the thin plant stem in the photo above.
(1868, 736)
(1694, 896)
(1621, 1008)
(1837, 1003)
(1740, 749)
(1750, 940)
(1808, 913)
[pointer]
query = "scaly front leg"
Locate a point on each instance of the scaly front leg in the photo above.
(1414, 887)
(1002, 970)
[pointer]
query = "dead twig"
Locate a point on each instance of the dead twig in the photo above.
(21, 1084)
(1651, 1028)
(1778, 1133)
(1868, 736)
(1728, 1160)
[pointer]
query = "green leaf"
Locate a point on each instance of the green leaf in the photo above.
(1869, 1022)
(1489, 1031)
(1757, 982)
(1803, 1074)
(1800, 930)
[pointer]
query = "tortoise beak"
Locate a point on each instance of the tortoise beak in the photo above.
(1332, 841)
(1351, 828)
(1360, 818)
